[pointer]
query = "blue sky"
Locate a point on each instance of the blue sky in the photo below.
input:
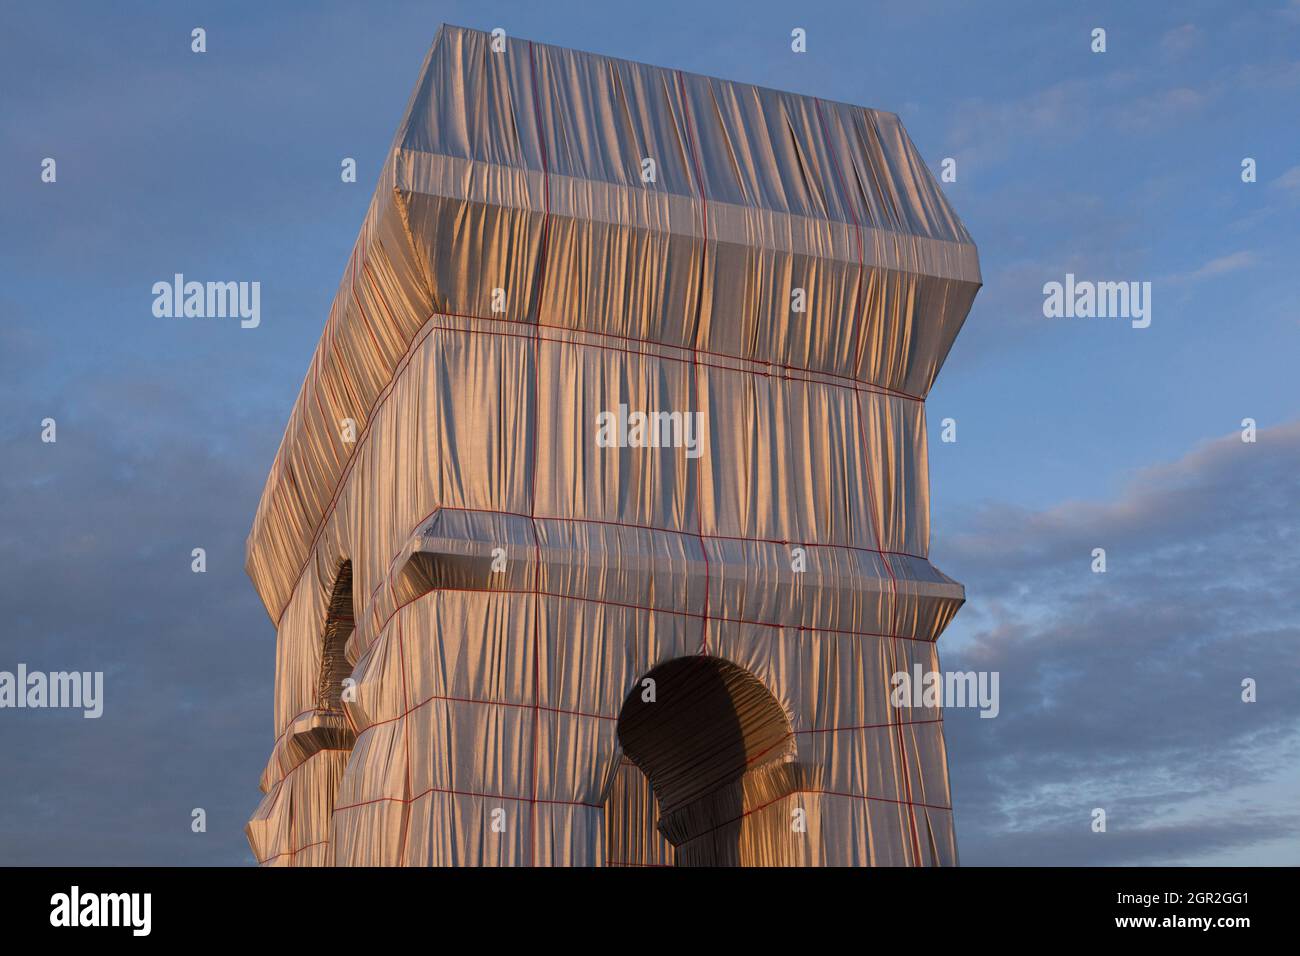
(1118, 690)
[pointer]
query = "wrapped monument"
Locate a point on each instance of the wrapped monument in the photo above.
(600, 524)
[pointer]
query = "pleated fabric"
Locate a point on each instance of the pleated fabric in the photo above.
(474, 594)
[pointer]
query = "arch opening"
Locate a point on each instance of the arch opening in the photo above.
(334, 666)
(702, 733)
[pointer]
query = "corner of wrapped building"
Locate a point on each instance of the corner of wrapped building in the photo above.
(503, 642)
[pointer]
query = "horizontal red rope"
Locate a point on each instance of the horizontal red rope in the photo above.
(430, 327)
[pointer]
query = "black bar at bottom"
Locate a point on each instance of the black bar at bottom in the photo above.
(468, 909)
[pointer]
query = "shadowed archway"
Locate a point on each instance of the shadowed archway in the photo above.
(328, 728)
(334, 666)
(700, 729)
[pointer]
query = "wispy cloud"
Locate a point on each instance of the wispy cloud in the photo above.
(1163, 106)
(1289, 182)
(1180, 40)
(96, 541)
(1122, 690)
(1218, 266)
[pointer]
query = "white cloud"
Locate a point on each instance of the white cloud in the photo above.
(1181, 40)
(1222, 265)
(1122, 689)
(1289, 182)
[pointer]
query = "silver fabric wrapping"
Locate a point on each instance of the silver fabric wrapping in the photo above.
(514, 278)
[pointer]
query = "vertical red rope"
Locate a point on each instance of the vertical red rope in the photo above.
(875, 523)
(695, 356)
(407, 806)
(532, 503)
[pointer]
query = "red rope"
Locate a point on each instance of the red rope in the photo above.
(430, 327)
(893, 582)
(695, 357)
(537, 416)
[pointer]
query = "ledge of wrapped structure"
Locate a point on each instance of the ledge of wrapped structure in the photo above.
(748, 581)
